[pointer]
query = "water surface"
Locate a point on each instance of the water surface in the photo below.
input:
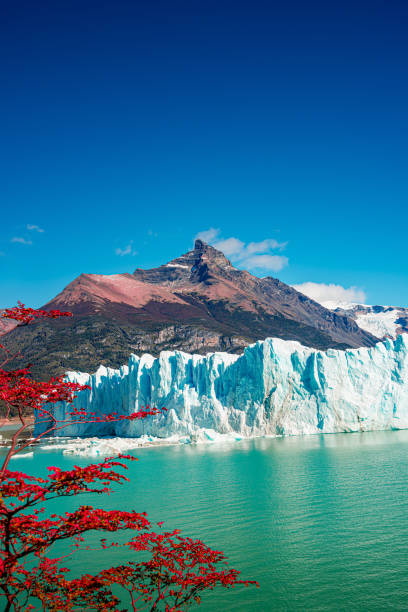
(320, 521)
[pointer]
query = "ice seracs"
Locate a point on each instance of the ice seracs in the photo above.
(275, 387)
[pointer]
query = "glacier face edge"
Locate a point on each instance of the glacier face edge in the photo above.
(276, 387)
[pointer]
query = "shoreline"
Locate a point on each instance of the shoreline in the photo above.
(105, 446)
(102, 446)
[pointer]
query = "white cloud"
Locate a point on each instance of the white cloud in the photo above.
(35, 228)
(128, 250)
(266, 262)
(254, 256)
(322, 293)
(208, 235)
(20, 240)
(231, 247)
(265, 245)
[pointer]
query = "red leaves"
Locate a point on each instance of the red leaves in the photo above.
(24, 315)
(17, 388)
(47, 583)
(29, 489)
(178, 570)
(23, 533)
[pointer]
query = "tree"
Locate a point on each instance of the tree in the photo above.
(174, 570)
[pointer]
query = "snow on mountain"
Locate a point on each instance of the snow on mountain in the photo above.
(275, 387)
(380, 321)
(379, 324)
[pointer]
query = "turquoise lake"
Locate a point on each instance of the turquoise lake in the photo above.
(320, 521)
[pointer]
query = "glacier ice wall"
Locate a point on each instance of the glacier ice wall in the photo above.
(275, 387)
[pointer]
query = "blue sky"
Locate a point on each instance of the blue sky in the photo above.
(130, 127)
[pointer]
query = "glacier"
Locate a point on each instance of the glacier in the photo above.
(275, 387)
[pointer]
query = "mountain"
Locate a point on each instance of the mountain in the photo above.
(6, 325)
(380, 321)
(196, 303)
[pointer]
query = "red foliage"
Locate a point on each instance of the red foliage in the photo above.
(24, 315)
(177, 569)
(18, 388)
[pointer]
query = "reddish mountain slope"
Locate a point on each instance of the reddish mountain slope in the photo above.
(6, 325)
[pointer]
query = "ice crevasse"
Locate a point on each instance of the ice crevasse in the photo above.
(275, 387)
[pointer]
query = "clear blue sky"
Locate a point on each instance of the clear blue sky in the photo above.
(144, 123)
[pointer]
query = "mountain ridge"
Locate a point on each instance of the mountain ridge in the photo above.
(197, 302)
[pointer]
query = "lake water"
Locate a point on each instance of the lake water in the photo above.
(320, 521)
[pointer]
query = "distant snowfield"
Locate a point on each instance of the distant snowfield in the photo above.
(379, 324)
(380, 321)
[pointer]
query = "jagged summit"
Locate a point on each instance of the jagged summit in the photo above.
(200, 245)
(206, 253)
(192, 267)
(196, 303)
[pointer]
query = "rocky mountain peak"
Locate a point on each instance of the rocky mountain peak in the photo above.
(208, 254)
(192, 267)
